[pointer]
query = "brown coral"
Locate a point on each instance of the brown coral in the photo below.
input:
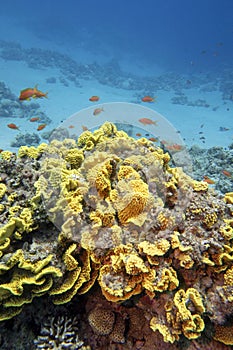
(224, 334)
(101, 320)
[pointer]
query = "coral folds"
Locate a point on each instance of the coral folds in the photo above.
(128, 223)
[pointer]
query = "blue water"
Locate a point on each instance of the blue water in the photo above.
(180, 51)
(181, 35)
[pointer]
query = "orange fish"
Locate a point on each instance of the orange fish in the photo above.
(94, 98)
(71, 126)
(138, 134)
(153, 139)
(29, 93)
(208, 180)
(226, 173)
(41, 127)
(35, 119)
(147, 121)
(98, 111)
(174, 147)
(148, 99)
(85, 128)
(13, 126)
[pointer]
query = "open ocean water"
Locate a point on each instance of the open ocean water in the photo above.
(180, 52)
(159, 69)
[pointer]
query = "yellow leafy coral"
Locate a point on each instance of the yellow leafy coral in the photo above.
(3, 190)
(179, 318)
(158, 248)
(192, 324)
(6, 155)
(15, 292)
(228, 198)
(75, 157)
(199, 185)
(76, 275)
(133, 224)
(132, 204)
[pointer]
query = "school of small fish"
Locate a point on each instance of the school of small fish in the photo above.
(33, 93)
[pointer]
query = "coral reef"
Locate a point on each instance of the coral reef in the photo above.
(132, 234)
(212, 162)
(182, 99)
(28, 139)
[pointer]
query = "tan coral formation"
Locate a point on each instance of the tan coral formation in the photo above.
(224, 334)
(128, 221)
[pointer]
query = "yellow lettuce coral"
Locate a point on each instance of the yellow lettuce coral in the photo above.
(75, 157)
(199, 185)
(133, 198)
(128, 221)
(163, 329)
(6, 155)
(179, 318)
(158, 248)
(228, 198)
(74, 279)
(15, 292)
(3, 190)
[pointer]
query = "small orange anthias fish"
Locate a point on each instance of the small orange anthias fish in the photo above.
(174, 147)
(85, 128)
(71, 126)
(208, 180)
(94, 98)
(41, 127)
(148, 99)
(147, 121)
(29, 93)
(98, 111)
(226, 173)
(13, 126)
(34, 119)
(138, 134)
(153, 139)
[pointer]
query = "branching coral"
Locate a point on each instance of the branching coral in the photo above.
(60, 333)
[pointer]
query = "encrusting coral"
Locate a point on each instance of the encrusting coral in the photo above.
(128, 222)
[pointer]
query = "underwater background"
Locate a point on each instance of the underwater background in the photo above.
(181, 52)
(160, 70)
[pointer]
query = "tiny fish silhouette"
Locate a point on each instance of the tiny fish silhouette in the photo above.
(147, 121)
(35, 119)
(13, 126)
(226, 173)
(94, 98)
(97, 111)
(208, 180)
(148, 99)
(41, 127)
